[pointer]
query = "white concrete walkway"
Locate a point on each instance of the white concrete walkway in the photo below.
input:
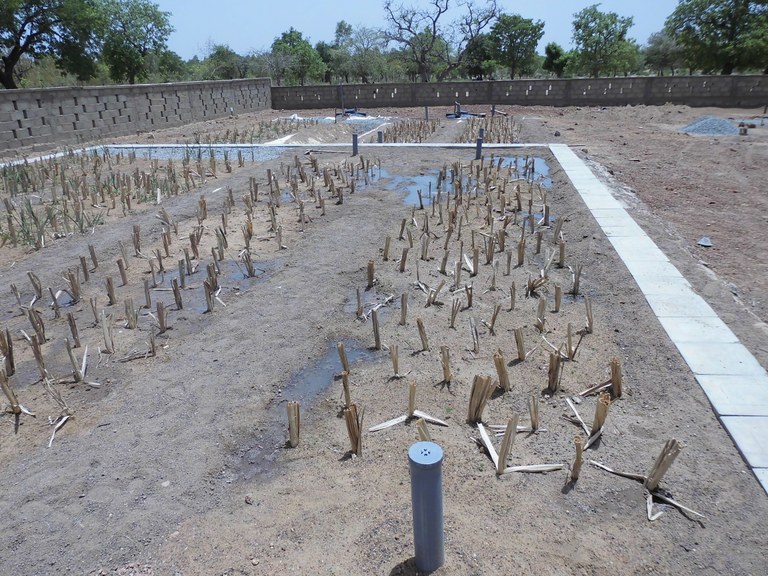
(735, 383)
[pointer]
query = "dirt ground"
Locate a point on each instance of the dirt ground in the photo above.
(177, 464)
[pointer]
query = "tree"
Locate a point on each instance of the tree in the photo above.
(555, 59)
(136, 28)
(479, 58)
(61, 28)
(599, 39)
(721, 34)
(662, 53)
(514, 40)
(428, 41)
(223, 63)
(304, 61)
(367, 59)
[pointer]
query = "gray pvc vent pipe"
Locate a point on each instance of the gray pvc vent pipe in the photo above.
(426, 464)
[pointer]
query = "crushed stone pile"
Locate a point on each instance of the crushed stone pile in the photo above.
(711, 125)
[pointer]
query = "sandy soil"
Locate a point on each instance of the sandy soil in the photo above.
(177, 463)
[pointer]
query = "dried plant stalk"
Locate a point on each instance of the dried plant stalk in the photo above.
(533, 411)
(394, 350)
(38, 324)
(6, 348)
(422, 335)
(36, 286)
(590, 320)
(666, 458)
(371, 274)
(601, 413)
(55, 304)
(345, 389)
(455, 307)
(421, 428)
(387, 242)
(131, 314)
(123, 272)
(506, 444)
(162, 317)
(540, 314)
(376, 334)
(38, 354)
(561, 259)
(554, 373)
(616, 379)
(475, 336)
(501, 371)
(520, 343)
(576, 280)
(482, 388)
(445, 360)
(112, 299)
(576, 468)
(84, 266)
(343, 357)
(403, 308)
(558, 297)
(107, 330)
(512, 296)
(521, 252)
(354, 420)
(294, 423)
(177, 294)
(492, 325)
(411, 399)
(403, 259)
(92, 252)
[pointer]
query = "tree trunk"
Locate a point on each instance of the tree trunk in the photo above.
(6, 74)
(728, 68)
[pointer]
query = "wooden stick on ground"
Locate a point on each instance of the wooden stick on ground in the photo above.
(294, 424)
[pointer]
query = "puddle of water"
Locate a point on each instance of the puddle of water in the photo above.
(262, 458)
(412, 184)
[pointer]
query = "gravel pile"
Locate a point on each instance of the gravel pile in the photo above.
(711, 125)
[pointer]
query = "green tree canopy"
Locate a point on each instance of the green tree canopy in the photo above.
(599, 38)
(479, 61)
(65, 29)
(303, 60)
(662, 52)
(135, 29)
(555, 59)
(514, 40)
(722, 34)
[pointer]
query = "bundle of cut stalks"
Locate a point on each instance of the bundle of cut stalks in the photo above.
(354, 420)
(482, 388)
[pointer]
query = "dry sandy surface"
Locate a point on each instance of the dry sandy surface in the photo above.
(177, 464)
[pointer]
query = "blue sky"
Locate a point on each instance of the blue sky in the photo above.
(247, 25)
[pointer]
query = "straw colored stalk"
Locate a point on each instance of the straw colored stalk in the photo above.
(354, 421)
(343, 358)
(38, 324)
(107, 330)
(506, 444)
(616, 379)
(376, 334)
(512, 296)
(533, 411)
(578, 442)
(482, 388)
(540, 314)
(501, 371)
(177, 293)
(403, 259)
(590, 319)
(421, 428)
(6, 348)
(112, 299)
(666, 458)
(387, 242)
(601, 413)
(445, 360)
(371, 274)
(422, 335)
(558, 297)
(403, 308)
(294, 423)
(520, 343)
(576, 279)
(554, 373)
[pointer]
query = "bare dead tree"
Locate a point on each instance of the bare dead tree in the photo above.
(429, 41)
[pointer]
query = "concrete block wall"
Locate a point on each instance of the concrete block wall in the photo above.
(717, 91)
(40, 118)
